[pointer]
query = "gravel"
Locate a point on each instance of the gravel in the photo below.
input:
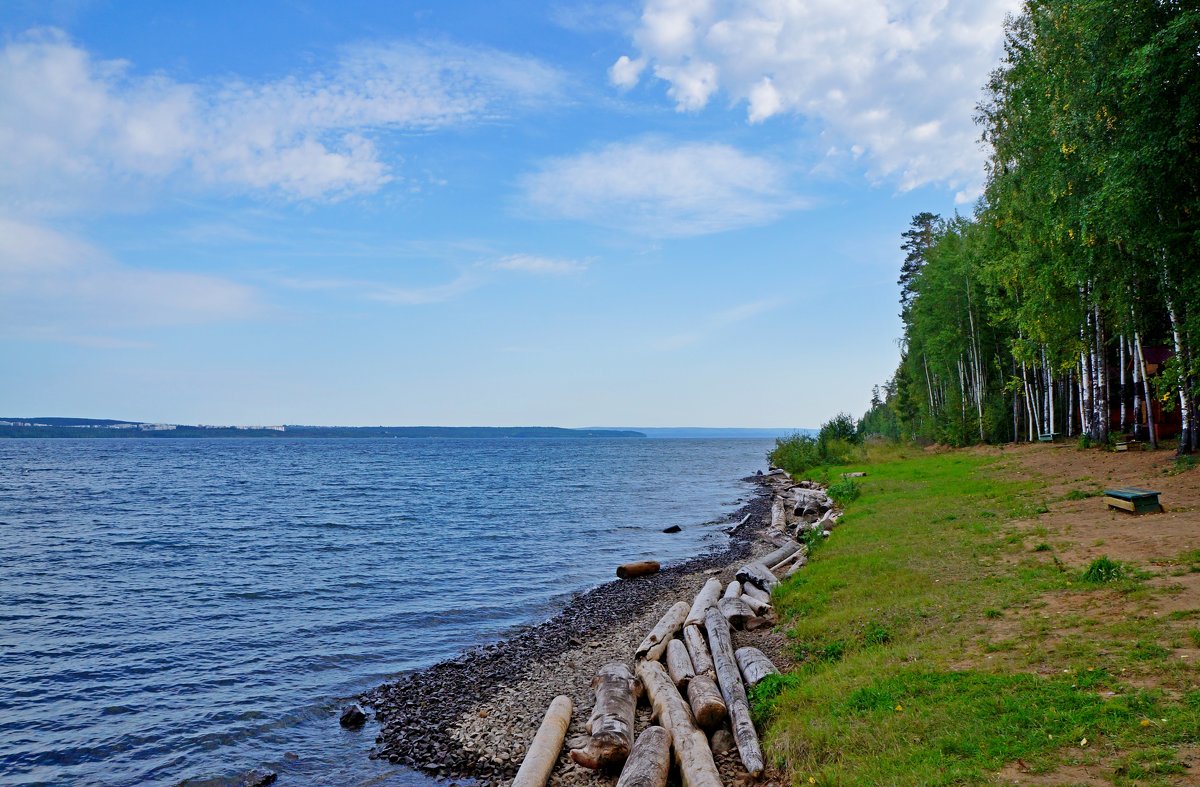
(473, 716)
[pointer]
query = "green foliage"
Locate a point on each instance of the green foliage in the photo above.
(844, 491)
(1103, 570)
(1086, 233)
(837, 442)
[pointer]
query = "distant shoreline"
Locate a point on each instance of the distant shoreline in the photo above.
(90, 429)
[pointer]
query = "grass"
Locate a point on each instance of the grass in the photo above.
(928, 649)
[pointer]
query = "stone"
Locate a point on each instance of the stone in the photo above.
(673, 529)
(259, 777)
(722, 741)
(353, 717)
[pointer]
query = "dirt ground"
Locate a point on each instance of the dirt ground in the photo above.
(1078, 529)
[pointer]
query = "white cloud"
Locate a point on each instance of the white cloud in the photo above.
(78, 132)
(897, 78)
(55, 287)
(529, 263)
(625, 73)
(656, 188)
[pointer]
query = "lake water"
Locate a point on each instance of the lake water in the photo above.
(175, 609)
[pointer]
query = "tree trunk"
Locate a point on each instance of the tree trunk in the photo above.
(1151, 429)
(547, 743)
(639, 569)
(1121, 360)
(679, 664)
(736, 611)
(705, 700)
(757, 592)
(780, 554)
(692, 755)
(1185, 417)
(611, 723)
(757, 574)
(693, 638)
(754, 665)
(650, 761)
(655, 643)
(734, 692)
(778, 514)
(706, 598)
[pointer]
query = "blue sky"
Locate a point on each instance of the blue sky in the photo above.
(658, 213)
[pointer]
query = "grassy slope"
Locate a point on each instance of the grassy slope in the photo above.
(905, 676)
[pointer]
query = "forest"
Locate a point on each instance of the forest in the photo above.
(1068, 303)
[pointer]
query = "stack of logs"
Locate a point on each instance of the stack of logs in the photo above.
(704, 681)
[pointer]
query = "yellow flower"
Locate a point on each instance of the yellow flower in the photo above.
(811, 780)
(1145, 722)
(899, 707)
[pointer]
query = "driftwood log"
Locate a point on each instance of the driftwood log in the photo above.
(756, 592)
(638, 569)
(759, 606)
(547, 743)
(737, 612)
(650, 760)
(708, 707)
(679, 664)
(729, 678)
(611, 723)
(655, 643)
(757, 574)
(707, 597)
(693, 637)
(692, 755)
(732, 590)
(778, 514)
(754, 665)
(780, 554)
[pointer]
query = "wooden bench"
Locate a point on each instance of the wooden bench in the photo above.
(1133, 500)
(1046, 437)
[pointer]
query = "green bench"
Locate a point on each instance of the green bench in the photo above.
(1133, 499)
(1046, 437)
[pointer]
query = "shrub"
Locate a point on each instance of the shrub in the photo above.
(844, 491)
(838, 442)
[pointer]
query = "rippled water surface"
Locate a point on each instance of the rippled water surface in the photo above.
(175, 609)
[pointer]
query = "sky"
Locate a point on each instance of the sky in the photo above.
(656, 213)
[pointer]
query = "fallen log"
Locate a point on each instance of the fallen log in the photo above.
(693, 637)
(679, 664)
(705, 698)
(778, 514)
(754, 665)
(547, 743)
(800, 554)
(692, 755)
(733, 590)
(736, 611)
(611, 723)
(706, 598)
(745, 519)
(638, 569)
(650, 760)
(799, 563)
(729, 678)
(655, 643)
(785, 551)
(756, 592)
(759, 606)
(757, 574)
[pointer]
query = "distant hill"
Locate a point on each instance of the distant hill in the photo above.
(692, 432)
(104, 427)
